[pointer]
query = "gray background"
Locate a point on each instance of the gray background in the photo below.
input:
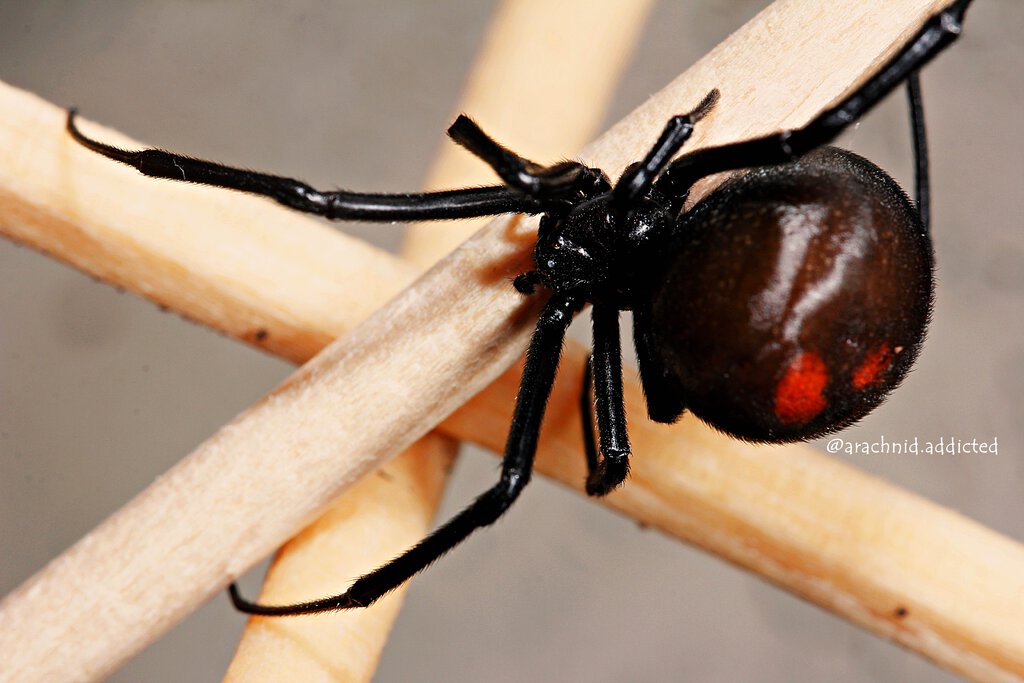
(100, 392)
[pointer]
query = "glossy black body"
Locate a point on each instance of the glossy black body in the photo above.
(717, 329)
(824, 258)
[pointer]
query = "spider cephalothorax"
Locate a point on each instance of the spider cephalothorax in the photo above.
(786, 304)
(597, 250)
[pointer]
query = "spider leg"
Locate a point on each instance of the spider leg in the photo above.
(339, 205)
(919, 136)
(586, 415)
(937, 33)
(664, 396)
(638, 178)
(535, 387)
(606, 365)
(560, 182)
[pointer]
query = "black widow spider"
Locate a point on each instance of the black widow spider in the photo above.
(783, 306)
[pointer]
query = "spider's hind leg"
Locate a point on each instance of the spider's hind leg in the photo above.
(919, 138)
(938, 31)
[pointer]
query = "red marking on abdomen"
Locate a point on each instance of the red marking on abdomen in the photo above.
(874, 366)
(799, 395)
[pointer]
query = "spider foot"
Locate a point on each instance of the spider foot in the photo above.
(609, 475)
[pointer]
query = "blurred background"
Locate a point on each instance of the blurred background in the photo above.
(100, 392)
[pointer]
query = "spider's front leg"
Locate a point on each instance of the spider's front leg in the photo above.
(562, 182)
(534, 389)
(295, 194)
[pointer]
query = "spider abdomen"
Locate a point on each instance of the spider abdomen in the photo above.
(795, 298)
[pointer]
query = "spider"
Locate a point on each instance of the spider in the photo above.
(785, 305)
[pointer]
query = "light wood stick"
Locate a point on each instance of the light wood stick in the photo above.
(569, 53)
(383, 515)
(970, 626)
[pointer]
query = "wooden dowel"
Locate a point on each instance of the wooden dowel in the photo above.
(569, 53)
(383, 515)
(851, 557)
